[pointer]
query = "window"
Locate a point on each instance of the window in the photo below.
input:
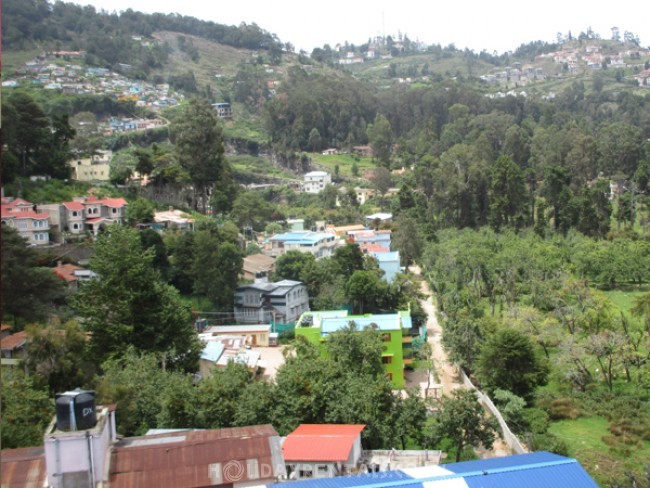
(386, 360)
(390, 376)
(75, 226)
(114, 210)
(75, 213)
(22, 224)
(321, 469)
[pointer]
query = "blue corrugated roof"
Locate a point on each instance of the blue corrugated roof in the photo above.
(386, 256)
(212, 351)
(536, 470)
(302, 237)
(503, 462)
(384, 322)
(346, 481)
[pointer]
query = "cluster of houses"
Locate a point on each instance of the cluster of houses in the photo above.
(81, 448)
(41, 225)
(57, 72)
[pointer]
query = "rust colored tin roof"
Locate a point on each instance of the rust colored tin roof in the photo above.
(23, 467)
(196, 458)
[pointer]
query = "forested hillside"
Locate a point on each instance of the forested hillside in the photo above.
(518, 182)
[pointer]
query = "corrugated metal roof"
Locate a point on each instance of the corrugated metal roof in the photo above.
(504, 462)
(23, 468)
(339, 430)
(382, 322)
(321, 442)
(197, 458)
(212, 351)
(536, 470)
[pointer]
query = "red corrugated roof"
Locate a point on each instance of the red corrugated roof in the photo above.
(23, 467)
(186, 459)
(13, 341)
(321, 442)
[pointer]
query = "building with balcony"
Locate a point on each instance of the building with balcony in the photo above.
(396, 330)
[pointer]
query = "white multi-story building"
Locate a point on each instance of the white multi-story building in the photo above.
(315, 181)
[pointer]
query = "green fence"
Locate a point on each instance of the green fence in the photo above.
(283, 329)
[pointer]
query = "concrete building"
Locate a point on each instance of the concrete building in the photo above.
(315, 181)
(262, 303)
(320, 244)
(20, 214)
(322, 450)
(396, 329)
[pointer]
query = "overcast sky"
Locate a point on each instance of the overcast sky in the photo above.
(496, 25)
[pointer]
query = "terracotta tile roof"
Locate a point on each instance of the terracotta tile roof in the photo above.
(113, 202)
(14, 341)
(321, 442)
(66, 272)
(73, 205)
(195, 458)
(23, 467)
(24, 215)
(373, 248)
(4, 327)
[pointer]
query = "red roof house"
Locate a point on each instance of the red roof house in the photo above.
(322, 450)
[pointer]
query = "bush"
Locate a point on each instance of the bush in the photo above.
(563, 408)
(549, 442)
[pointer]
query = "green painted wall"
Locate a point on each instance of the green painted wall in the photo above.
(393, 348)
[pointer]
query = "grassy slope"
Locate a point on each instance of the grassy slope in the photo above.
(584, 436)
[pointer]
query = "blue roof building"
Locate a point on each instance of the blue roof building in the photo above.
(389, 263)
(534, 470)
(320, 244)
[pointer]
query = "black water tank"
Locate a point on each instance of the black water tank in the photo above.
(75, 410)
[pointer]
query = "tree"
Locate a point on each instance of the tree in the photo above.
(290, 265)
(139, 211)
(407, 240)
(508, 361)
(251, 210)
(200, 148)
(356, 351)
(56, 356)
(366, 290)
(29, 292)
(507, 194)
(349, 258)
(380, 136)
(381, 180)
(129, 304)
(216, 267)
(410, 417)
(462, 419)
(26, 410)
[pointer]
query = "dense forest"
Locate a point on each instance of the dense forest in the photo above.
(528, 214)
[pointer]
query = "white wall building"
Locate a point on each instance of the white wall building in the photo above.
(315, 181)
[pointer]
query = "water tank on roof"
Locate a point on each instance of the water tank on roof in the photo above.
(75, 410)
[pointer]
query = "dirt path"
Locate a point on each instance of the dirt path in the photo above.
(446, 371)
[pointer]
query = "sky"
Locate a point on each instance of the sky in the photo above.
(496, 25)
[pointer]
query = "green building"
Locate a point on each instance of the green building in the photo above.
(396, 330)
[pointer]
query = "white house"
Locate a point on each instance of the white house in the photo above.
(315, 181)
